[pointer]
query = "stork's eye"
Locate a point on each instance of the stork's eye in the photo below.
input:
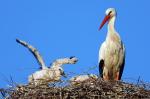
(60, 70)
(109, 12)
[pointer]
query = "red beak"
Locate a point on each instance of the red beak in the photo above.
(107, 17)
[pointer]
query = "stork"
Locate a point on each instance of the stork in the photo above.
(83, 78)
(46, 74)
(112, 50)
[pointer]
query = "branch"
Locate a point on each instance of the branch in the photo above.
(35, 52)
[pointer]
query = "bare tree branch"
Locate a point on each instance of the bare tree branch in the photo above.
(34, 51)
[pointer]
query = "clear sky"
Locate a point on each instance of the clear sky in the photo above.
(63, 28)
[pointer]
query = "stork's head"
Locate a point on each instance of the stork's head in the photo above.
(72, 60)
(110, 12)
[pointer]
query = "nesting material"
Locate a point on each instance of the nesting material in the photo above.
(98, 89)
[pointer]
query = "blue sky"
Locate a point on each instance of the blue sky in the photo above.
(64, 28)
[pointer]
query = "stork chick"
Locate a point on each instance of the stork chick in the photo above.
(47, 75)
(52, 74)
(82, 78)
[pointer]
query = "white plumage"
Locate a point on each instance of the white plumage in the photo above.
(52, 74)
(47, 75)
(112, 50)
(82, 78)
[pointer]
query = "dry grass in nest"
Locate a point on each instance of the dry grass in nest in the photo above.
(98, 89)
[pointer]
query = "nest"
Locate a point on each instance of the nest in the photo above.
(97, 89)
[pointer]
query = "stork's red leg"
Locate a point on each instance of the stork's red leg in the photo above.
(106, 78)
(117, 76)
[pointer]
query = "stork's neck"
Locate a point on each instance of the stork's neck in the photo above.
(111, 25)
(112, 34)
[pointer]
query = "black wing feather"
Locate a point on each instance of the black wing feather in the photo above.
(122, 68)
(101, 67)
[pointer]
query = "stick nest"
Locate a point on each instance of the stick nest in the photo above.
(98, 89)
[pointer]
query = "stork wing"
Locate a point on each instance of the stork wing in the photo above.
(101, 67)
(101, 59)
(34, 52)
(122, 61)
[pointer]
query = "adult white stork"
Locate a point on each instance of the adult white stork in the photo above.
(112, 50)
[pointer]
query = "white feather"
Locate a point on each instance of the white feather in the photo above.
(82, 78)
